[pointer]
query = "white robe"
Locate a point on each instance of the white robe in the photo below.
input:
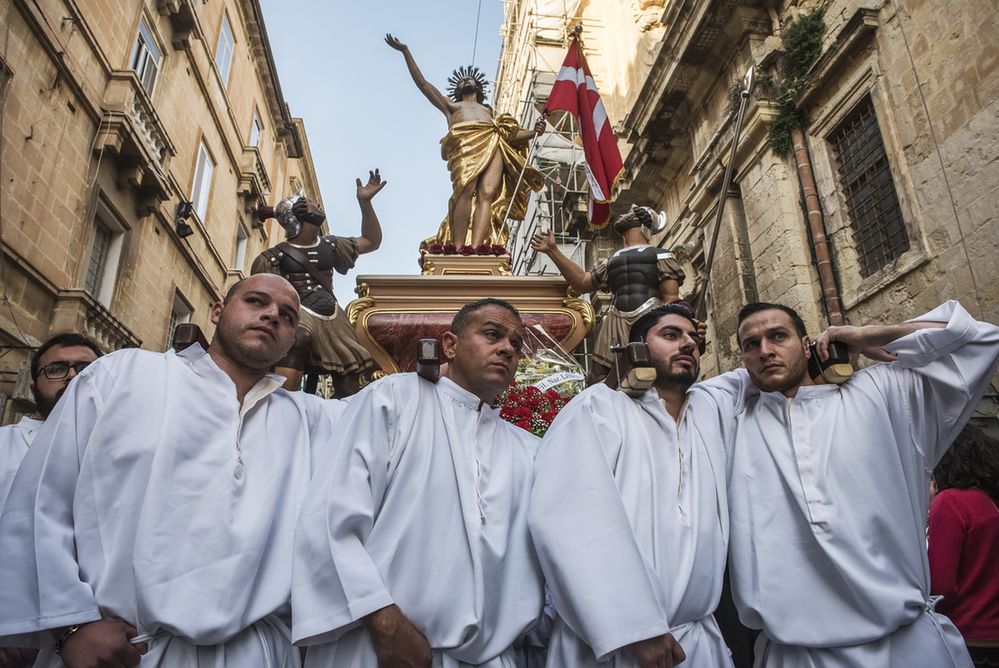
(14, 442)
(425, 507)
(630, 521)
(828, 496)
(161, 501)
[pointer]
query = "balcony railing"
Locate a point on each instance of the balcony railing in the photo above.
(78, 311)
(131, 132)
(253, 179)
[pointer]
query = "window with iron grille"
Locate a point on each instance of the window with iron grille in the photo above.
(866, 179)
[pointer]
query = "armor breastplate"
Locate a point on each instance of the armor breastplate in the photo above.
(633, 277)
(314, 297)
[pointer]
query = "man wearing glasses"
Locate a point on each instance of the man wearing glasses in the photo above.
(53, 365)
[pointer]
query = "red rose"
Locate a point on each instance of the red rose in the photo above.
(483, 249)
(449, 249)
(498, 249)
(467, 250)
(435, 248)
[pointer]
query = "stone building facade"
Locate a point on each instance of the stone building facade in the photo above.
(902, 108)
(138, 136)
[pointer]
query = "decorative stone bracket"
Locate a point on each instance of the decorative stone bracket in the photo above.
(131, 132)
(253, 180)
(183, 20)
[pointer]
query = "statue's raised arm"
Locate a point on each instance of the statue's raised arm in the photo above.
(486, 155)
(437, 98)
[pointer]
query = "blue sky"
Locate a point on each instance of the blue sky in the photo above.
(362, 110)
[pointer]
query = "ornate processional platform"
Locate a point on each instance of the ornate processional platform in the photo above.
(392, 312)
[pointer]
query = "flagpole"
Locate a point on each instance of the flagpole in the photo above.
(702, 304)
(576, 35)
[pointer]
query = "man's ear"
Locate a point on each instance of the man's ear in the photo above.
(449, 340)
(807, 343)
(217, 312)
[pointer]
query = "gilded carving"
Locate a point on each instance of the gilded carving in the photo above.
(584, 308)
(355, 307)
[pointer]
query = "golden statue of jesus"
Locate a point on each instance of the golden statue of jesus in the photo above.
(485, 155)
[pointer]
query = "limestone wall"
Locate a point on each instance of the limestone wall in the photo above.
(81, 139)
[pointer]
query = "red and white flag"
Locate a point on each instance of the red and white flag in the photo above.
(576, 92)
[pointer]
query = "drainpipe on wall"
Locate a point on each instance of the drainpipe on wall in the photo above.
(817, 228)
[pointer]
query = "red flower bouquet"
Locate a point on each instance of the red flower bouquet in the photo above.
(435, 248)
(529, 408)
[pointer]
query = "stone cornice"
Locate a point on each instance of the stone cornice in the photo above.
(264, 59)
(855, 35)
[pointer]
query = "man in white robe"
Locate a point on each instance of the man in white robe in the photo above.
(56, 362)
(413, 548)
(828, 487)
(629, 515)
(152, 519)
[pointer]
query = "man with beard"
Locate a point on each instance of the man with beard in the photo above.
(629, 515)
(152, 518)
(486, 156)
(54, 364)
(639, 276)
(828, 485)
(413, 547)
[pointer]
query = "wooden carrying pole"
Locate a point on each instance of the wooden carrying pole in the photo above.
(747, 81)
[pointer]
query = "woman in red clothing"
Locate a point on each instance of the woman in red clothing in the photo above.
(964, 542)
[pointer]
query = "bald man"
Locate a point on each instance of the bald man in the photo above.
(151, 522)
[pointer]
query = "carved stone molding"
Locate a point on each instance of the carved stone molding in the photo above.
(77, 311)
(131, 132)
(254, 182)
(183, 20)
(648, 13)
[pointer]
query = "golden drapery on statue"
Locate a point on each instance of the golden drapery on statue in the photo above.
(468, 147)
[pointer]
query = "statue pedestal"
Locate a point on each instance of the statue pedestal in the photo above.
(468, 265)
(392, 313)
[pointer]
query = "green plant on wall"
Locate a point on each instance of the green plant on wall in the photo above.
(802, 45)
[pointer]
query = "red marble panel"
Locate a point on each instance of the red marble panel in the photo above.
(398, 333)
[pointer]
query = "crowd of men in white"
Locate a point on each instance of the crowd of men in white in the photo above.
(180, 509)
